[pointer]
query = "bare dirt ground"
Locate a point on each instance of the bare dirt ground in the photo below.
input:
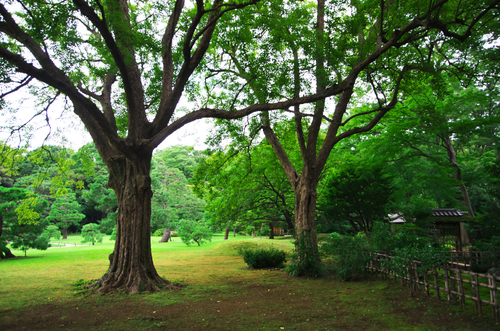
(283, 303)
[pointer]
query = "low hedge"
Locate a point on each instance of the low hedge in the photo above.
(264, 258)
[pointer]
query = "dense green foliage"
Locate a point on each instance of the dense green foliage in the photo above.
(90, 207)
(360, 195)
(194, 232)
(349, 254)
(91, 233)
(367, 107)
(304, 261)
(264, 257)
(245, 190)
(16, 234)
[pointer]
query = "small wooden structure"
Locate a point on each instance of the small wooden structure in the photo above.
(278, 232)
(448, 224)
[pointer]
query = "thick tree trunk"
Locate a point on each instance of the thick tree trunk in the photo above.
(6, 254)
(65, 233)
(305, 217)
(166, 236)
(271, 230)
(226, 234)
(131, 264)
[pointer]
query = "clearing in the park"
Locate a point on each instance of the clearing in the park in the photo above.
(220, 293)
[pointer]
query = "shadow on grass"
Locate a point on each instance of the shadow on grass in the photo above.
(18, 258)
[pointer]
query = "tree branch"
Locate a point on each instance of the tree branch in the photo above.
(26, 80)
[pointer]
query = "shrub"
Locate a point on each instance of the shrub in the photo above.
(490, 258)
(158, 233)
(264, 258)
(407, 235)
(347, 254)
(428, 256)
(264, 232)
(305, 260)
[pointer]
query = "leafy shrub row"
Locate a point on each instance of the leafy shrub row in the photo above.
(349, 254)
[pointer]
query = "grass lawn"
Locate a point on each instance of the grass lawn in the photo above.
(36, 293)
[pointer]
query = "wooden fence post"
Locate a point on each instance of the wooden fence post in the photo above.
(453, 287)
(461, 288)
(493, 296)
(447, 284)
(453, 279)
(436, 283)
(480, 303)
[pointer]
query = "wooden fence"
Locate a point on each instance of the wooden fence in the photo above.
(457, 284)
(468, 260)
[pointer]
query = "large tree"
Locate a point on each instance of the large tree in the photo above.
(123, 71)
(368, 51)
(122, 68)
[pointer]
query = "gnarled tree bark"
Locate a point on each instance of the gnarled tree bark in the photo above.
(131, 265)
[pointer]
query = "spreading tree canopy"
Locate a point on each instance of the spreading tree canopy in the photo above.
(370, 52)
(122, 67)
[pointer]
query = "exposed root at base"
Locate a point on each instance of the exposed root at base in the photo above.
(95, 286)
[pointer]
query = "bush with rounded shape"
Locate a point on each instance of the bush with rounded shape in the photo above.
(91, 233)
(264, 258)
(158, 233)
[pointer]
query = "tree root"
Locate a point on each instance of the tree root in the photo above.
(99, 286)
